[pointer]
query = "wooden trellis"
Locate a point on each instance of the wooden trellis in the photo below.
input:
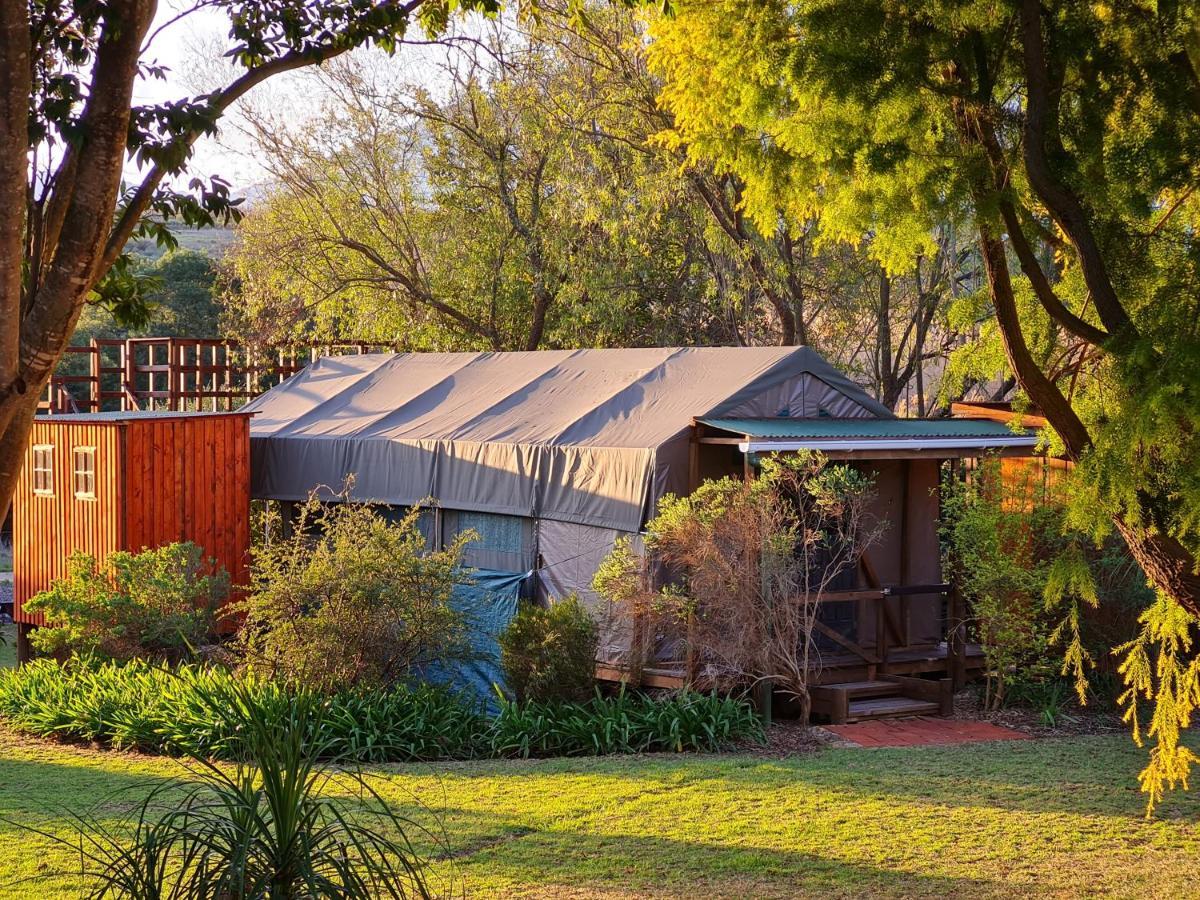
(176, 374)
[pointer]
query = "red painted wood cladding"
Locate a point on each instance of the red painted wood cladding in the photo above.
(159, 478)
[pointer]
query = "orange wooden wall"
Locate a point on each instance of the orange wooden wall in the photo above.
(159, 479)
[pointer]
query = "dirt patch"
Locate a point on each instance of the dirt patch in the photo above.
(924, 731)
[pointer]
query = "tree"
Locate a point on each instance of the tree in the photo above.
(493, 212)
(749, 565)
(541, 152)
(68, 126)
(1064, 135)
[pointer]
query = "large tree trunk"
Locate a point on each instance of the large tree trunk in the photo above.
(12, 446)
(1169, 565)
(15, 87)
(36, 329)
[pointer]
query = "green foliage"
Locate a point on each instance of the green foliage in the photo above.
(157, 710)
(349, 598)
(626, 723)
(266, 827)
(1067, 128)
(1001, 552)
(171, 296)
(138, 706)
(549, 653)
(1046, 604)
(160, 603)
(1160, 665)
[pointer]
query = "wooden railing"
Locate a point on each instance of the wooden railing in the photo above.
(892, 631)
(177, 373)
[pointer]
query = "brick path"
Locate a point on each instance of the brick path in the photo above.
(922, 731)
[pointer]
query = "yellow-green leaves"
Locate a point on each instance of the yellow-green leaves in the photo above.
(1160, 667)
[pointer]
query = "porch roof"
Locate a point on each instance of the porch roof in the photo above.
(871, 437)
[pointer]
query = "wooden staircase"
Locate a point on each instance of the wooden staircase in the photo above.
(888, 696)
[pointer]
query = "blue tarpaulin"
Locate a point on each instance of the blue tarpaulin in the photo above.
(488, 602)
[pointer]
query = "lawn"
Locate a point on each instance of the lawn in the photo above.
(1055, 817)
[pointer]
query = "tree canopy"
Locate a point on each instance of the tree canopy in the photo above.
(1064, 135)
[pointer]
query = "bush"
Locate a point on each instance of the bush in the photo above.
(159, 710)
(350, 599)
(1034, 588)
(549, 653)
(747, 565)
(626, 723)
(159, 603)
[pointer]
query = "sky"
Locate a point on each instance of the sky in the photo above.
(189, 48)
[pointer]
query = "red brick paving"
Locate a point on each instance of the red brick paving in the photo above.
(921, 731)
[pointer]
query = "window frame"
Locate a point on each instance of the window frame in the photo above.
(43, 475)
(88, 474)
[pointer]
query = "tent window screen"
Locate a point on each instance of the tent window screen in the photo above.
(85, 473)
(504, 542)
(426, 518)
(43, 469)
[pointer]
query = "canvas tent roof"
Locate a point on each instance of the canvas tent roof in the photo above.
(587, 436)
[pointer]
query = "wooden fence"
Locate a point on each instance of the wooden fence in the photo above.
(176, 373)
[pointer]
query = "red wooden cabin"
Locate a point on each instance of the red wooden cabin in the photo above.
(126, 481)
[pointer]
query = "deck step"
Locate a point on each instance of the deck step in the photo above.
(888, 707)
(854, 689)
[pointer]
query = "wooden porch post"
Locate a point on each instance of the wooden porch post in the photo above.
(24, 648)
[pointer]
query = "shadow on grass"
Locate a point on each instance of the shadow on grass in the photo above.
(487, 847)
(508, 850)
(1083, 775)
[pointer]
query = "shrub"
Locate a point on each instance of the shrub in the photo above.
(351, 599)
(749, 563)
(159, 603)
(153, 709)
(549, 653)
(1034, 588)
(627, 723)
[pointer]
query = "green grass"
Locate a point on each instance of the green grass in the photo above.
(1052, 818)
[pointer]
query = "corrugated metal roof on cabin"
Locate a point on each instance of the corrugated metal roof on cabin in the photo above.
(833, 429)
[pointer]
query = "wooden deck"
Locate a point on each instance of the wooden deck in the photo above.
(834, 669)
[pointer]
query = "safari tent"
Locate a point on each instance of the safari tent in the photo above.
(551, 456)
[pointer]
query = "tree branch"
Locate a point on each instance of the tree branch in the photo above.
(219, 103)
(1059, 200)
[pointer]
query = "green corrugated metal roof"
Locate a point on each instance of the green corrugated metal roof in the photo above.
(864, 428)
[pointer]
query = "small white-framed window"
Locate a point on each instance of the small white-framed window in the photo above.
(43, 469)
(85, 473)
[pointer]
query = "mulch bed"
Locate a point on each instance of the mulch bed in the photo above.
(1074, 720)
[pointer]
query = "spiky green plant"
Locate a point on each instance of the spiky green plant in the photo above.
(264, 826)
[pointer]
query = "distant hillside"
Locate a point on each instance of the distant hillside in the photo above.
(212, 242)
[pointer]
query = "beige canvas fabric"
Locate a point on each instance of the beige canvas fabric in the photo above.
(592, 437)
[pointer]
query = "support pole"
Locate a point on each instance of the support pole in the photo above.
(763, 689)
(24, 647)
